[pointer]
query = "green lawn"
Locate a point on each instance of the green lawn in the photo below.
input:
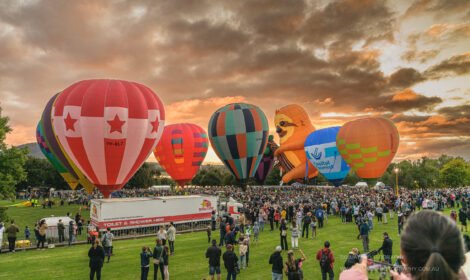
(188, 262)
(28, 216)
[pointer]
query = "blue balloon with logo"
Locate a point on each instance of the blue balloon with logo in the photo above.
(321, 150)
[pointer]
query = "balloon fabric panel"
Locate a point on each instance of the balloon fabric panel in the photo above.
(182, 150)
(108, 128)
(368, 145)
(238, 134)
(322, 152)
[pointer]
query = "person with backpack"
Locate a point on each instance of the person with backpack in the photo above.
(320, 214)
(293, 266)
(277, 264)
(230, 263)
(158, 260)
(306, 220)
(326, 259)
(283, 234)
(107, 242)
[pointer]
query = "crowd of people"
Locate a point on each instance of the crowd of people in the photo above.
(298, 213)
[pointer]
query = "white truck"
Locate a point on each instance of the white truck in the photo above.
(127, 213)
(231, 207)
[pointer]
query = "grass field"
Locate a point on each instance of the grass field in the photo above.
(189, 261)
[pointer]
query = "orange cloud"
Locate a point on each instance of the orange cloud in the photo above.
(406, 95)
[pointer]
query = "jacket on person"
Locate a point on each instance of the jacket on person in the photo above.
(351, 260)
(61, 227)
(158, 253)
(171, 233)
(462, 216)
(364, 229)
(214, 253)
(12, 230)
(145, 259)
(230, 261)
(276, 261)
(331, 258)
(386, 246)
(96, 256)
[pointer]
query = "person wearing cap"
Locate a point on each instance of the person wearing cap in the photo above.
(230, 262)
(277, 263)
(387, 246)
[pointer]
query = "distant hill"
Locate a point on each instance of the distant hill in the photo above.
(34, 150)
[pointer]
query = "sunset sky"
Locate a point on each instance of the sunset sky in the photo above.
(341, 60)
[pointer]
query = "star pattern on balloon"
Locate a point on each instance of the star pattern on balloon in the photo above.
(155, 125)
(116, 124)
(69, 123)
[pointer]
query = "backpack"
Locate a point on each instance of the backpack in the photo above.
(307, 220)
(325, 260)
(320, 214)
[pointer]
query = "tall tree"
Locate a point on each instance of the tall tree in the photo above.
(12, 162)
(456, 173)
(143, 178)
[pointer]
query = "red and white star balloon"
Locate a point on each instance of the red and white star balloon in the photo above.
(108, 128)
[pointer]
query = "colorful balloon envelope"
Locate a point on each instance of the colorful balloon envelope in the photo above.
(58, 151)
(322, 152)
(108, 128)
(181, 151)
(70, 179)
(238, 133)
(267, 162)
(368, 145)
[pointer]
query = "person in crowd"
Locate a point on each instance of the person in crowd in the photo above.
(222, 232)
(293, 267)
(364, 232)
(27, 233)
(246, 240)
(213, 253)
(453, 216)
(96, 256)
(161, 234)
(307, 219)
(463, 219)
(107, 242)
(158, 260)
(261, 219)
(379, 212)
(256, 231)
(166, 259)
(313, 226)
(326, 260)
(283, 235)
(71, 232)
(230, 262)
(242, 250)
(145, 256)
(61, 231)
(209, 233)
(12, 232)
(213, 220)
(353, 258)
(79, 227)
(277, 264)
(294, 235)
(271, 218)
(370, 219)
(42, 227)
(320, 215)
(171, 234)
(385, 211)
(401, 221)
(277, 217)
(386, 248)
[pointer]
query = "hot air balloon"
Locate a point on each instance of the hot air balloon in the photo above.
(322, 152)
(108, 128)
(181, 150)
(293, 126)
(368, 145)
(70, 179)
(57, 150)
(238, 133)
(267, 161)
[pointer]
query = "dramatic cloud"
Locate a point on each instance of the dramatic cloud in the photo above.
(340, 59)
